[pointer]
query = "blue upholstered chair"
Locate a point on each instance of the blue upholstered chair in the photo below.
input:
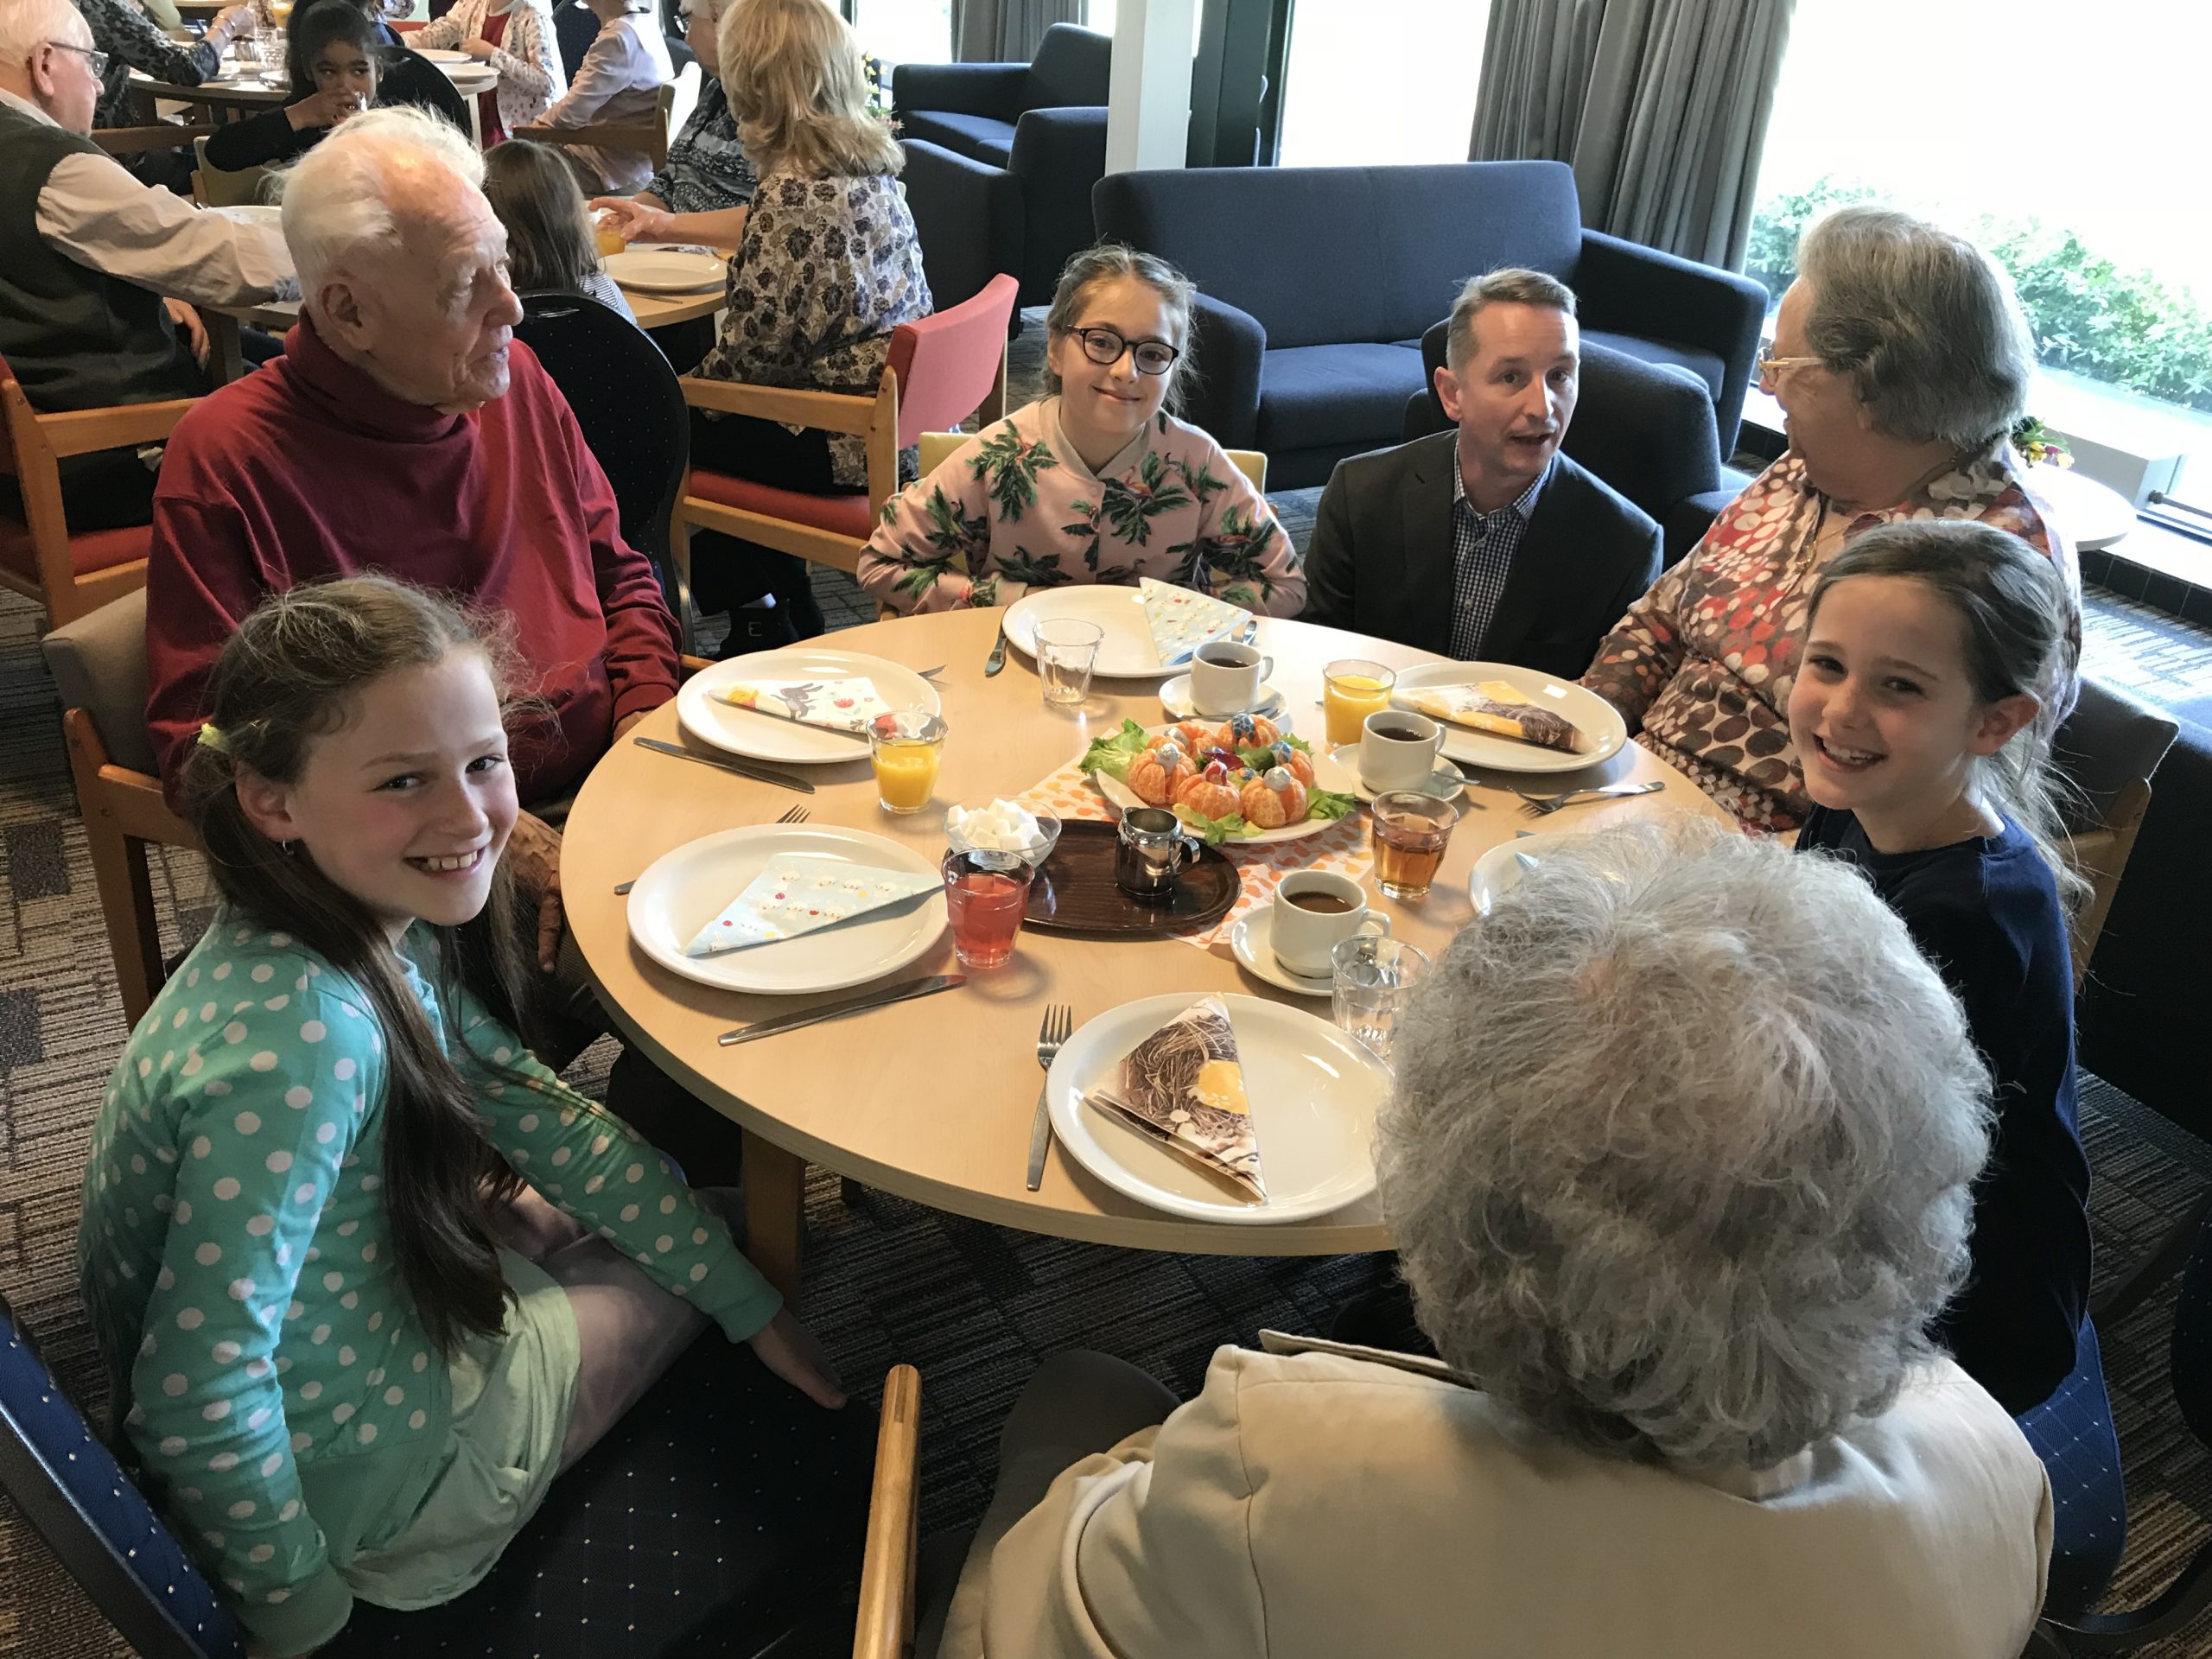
(1316, 284)
(1646, 429)
(723, 1515)
(1024, 213)
(972, 109)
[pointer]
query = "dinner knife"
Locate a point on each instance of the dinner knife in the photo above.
(742, 768)
(843, 1005)
(996, 660)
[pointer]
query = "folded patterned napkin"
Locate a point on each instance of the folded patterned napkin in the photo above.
(797, 896)
(1182, 621)
(1502, 710)
(837, 705)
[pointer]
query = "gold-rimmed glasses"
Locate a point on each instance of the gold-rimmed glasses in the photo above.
(1770, 367)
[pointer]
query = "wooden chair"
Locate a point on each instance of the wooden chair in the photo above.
(766, 1594)
(158, 135)
(39, 558)
(941, 370)
(651, 137)
(937, 447)
(215, 186)
(99, 665)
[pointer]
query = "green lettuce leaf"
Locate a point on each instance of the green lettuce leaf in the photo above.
(1322, 803)
(1214, 832)
(1114, 755)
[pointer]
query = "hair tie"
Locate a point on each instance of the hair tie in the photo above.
(212, 736)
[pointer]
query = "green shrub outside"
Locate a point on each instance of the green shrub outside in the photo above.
(2124, 328)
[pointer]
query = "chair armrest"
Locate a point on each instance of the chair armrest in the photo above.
(687, 666)
(133, 140)
(970, 217)
(78, 432)
(603, 136)
(993, 89)
(826, 411)
(1224, 396)
(1632, 290)
(887, 1615)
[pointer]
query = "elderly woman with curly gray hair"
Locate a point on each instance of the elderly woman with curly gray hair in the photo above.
(1901, 362)
(1678, 1159)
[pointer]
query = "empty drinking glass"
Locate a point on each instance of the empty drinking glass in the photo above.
(1067, 652)
(1374, 980)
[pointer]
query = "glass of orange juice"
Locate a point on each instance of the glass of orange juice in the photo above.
(280, 12)
(607, 236)
(906, 750)
(1352, 690)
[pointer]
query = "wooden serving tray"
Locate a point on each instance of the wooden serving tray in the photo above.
(1074, 891)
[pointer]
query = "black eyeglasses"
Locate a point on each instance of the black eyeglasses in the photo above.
(97, 62)
(1105, 345)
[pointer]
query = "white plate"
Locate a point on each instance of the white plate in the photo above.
(1338, 771)
(437, 54)
(1126, 799)
(1597, 717)
(1175, 698)
(687, 888)
(1313, 1089)
(764, 737)
(1252, 939)
(656, 271)
(1124, 653)
(268, 217)
(1497, 869)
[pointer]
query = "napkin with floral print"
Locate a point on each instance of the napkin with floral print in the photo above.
(839, 705)
(797, 896)
(1182, 621)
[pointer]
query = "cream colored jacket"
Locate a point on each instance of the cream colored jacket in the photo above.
(1321, 1503)
(532, 77)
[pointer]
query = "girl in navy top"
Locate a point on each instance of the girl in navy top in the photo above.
(1916, 712)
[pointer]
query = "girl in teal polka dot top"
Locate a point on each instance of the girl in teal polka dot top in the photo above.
(366, 1273)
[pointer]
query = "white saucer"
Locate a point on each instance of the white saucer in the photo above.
(1251, 939)
(1338, 771)
(1175, 698)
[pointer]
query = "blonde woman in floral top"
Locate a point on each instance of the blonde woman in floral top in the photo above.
(829, 266)
(1096, 484)
(1901, 361)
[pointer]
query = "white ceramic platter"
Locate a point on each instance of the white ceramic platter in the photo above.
(660, 270)
(1586, 708)
(764, 737)
(1125, 651)
(1500, 868)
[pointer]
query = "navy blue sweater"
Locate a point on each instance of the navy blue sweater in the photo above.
(1985, 911)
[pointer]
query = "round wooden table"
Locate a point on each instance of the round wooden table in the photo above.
(933, 1099)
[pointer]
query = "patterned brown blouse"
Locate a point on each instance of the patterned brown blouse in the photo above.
(829, 267)
(1701, 665)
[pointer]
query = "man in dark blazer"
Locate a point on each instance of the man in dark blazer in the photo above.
(1485, 542)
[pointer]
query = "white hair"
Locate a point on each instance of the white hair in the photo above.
(337, 199)
(1679, 1154)
(27, 25)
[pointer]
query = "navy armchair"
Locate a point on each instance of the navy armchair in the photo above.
(972, 109)
(1316, 284)
(1645, 429)
(1025, 215)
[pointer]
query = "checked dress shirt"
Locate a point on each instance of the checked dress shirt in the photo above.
(1482, 546)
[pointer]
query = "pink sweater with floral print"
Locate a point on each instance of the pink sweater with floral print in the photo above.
(1701, 665)
(1014, 508)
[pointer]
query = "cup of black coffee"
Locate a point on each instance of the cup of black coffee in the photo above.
(1314, 911)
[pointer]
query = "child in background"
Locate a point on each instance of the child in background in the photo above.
(618, 84)
(551, 243)
(366, 1274)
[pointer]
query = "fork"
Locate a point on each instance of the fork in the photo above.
(1541, 805)
(795, 815)
(1052, 1031)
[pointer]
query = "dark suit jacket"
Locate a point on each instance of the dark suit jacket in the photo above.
(1381, 559)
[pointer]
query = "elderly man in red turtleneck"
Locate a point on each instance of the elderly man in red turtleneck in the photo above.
(405, 430)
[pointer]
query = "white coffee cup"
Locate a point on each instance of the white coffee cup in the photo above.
(1303, 937)
(1398, 749)
(1225, 678)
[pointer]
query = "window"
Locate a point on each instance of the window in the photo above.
(1380, 82)
(1980, 122)
(905, 31)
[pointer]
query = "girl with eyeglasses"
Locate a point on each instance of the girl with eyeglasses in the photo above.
(1097, 481)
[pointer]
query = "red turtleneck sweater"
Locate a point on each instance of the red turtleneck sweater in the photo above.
(308, 469)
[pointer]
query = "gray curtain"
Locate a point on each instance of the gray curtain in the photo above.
(1661, 106)
(1006, 31)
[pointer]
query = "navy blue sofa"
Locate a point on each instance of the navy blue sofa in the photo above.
(972, 109)
(1316, 284)
(1646, 429)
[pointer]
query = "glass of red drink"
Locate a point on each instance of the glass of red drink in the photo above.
(988, 895)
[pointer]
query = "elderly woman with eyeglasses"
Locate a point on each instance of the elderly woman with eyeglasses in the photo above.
(1679, 1157)
(1096, 482)
(1901, 362)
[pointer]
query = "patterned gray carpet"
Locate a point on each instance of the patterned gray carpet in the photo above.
(974, 1306)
